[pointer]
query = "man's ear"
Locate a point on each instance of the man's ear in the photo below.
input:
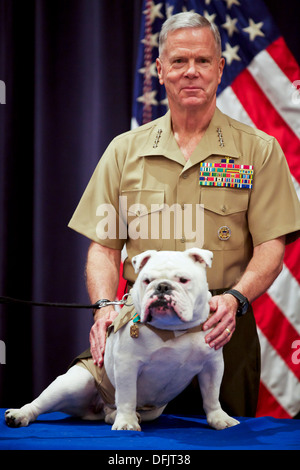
(159, 70)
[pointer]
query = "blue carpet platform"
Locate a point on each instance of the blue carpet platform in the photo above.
(57, 431)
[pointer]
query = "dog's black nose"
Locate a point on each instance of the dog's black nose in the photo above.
(163, 288)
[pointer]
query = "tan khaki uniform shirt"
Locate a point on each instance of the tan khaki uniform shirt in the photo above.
(142, 180)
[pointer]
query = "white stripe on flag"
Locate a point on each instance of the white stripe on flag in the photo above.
(278, 378)
(229, 104)
(297, 186)
(277, 87)
(285, 293)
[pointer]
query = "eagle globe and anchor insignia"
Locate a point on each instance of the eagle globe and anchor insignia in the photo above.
(224, 233)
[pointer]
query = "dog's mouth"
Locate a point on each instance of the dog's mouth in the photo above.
(160, 306)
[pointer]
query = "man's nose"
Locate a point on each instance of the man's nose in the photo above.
(192, 69)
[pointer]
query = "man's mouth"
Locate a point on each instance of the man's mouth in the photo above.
(192, 88)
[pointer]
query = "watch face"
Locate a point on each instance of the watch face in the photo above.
(243, 301)
(244, 307)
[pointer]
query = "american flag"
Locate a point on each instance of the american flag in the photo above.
(259, 87)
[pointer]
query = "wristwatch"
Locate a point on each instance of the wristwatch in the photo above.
(243, 301)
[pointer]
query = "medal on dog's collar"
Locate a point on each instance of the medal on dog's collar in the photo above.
(134, 329)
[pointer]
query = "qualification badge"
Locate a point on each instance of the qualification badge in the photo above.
(226, 174)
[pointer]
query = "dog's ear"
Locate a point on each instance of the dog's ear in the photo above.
(139, 261)
(200, 256)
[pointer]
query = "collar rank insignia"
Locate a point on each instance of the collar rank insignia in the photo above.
(226, 174)
(220, 137)
(157, 137)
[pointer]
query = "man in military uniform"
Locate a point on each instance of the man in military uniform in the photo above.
(194, 157)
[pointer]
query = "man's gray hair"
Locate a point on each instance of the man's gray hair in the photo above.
(188, 19)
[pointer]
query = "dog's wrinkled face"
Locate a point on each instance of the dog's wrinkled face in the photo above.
(171, 290)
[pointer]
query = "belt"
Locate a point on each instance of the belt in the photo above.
(217, 291)
(128, 286)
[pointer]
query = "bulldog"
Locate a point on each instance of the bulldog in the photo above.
(153, 357)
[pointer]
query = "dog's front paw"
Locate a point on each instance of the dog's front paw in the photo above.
(16, 418)
(220, 420)
(126, 422)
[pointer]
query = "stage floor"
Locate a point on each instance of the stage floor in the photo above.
(57, 431)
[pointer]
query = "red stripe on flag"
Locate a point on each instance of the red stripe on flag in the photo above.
(277, 329)
(285, 60)
(266, 118)
(268, 405)
(122, 284)
(292, 257)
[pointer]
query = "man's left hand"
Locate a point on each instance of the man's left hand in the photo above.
(223, 320)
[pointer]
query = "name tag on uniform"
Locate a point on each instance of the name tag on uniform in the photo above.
(226, 174)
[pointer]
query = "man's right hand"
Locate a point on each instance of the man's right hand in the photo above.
(98, 336)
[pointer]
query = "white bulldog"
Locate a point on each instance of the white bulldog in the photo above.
(149, 362)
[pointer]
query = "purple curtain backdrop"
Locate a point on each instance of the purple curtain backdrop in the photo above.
(68, 66)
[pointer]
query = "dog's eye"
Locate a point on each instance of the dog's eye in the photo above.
(183, 280)
(146, 281)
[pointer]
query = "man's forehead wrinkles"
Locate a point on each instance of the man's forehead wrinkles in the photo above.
(188, 49)
(188, 53)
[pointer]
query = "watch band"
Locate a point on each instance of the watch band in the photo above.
(243, 301)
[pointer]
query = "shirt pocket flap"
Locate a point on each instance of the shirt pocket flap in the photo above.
(225, 201)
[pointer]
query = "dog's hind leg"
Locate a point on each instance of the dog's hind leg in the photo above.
(72, 393)
(150, 415)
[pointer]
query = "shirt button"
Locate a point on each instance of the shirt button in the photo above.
(183, 240)
(185, 175)
(223, 209)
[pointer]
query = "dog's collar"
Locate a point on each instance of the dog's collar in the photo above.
(165, 335)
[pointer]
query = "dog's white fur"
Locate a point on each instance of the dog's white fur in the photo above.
(170, 293)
